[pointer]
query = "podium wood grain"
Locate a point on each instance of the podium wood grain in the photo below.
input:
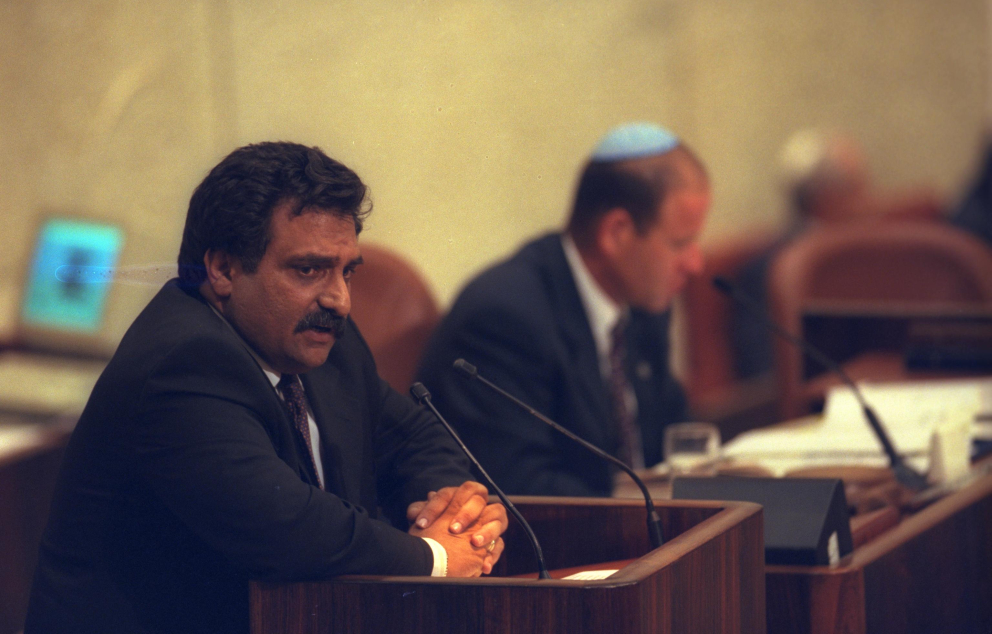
(930, 573)
(707, 577)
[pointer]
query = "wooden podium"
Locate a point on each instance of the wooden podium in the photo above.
(707, 577)
(928, 572)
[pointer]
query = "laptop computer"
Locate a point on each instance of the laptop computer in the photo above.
(57, 352)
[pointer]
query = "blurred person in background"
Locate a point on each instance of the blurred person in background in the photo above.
(974, 212)
(826, 181)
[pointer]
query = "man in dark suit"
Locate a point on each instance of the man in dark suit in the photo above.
(575, 325)
(241, 431)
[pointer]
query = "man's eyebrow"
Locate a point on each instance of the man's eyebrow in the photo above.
(323, 261)
(314, 260)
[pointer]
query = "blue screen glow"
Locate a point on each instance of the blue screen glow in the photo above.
(61, 293)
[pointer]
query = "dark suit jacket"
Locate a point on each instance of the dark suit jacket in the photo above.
(523, 325)
(184, 478)
(974, 212)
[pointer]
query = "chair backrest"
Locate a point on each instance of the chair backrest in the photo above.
(710, 363)
(395, 311)
(902, 264)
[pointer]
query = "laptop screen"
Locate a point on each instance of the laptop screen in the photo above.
(70, 276)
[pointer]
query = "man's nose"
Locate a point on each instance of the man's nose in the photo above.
(336, 296)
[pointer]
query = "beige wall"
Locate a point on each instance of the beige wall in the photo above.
(467, 118)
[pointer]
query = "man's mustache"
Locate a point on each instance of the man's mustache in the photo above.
(322, 320)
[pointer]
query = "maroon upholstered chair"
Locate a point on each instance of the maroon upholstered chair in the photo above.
(716, 392)
(901, 265)
(710, 369)
(395, 312)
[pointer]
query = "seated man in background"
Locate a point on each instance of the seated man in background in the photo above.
(241, 432)
(973, 212)
(574, 324)
(827, 182)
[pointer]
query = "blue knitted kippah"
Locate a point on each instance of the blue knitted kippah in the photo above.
(634, 140)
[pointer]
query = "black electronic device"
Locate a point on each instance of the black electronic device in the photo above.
(807, 522)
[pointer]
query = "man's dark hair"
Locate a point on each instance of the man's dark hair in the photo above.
(232, 208)
(637, 185)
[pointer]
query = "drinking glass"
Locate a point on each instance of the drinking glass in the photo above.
(692, 448)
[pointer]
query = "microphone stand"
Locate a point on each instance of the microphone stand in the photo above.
(423, 396)
(654, 521)
(903, 472)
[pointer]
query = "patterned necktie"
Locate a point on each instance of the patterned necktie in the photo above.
(621, 393)
(292, 391)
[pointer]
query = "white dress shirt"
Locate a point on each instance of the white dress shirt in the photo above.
(602, 313)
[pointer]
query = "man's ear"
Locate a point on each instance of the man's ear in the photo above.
(614, 233)
(220, 268)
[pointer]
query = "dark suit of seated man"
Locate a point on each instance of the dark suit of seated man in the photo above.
(575, 324)
(241, 431)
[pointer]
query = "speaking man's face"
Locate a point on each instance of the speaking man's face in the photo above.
(292, 308)
(659, 262)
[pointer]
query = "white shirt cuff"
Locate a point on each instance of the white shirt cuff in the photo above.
(440, 558)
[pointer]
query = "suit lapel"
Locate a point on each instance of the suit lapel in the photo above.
(573, 324)
(286, 440)
(337, 416)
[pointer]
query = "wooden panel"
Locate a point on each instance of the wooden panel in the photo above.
(931, 572)
(27, 481)
(803, 603)
(706, 578)
(934, 572)
(867, 526)
(573, 532)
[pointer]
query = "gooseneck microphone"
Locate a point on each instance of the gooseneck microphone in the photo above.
(423, 396)
(903, 472)
(654, 522)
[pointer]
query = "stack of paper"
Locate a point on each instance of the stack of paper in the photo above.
(909, 411)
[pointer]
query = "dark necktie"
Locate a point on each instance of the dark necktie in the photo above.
(292, 391)
(620, 391)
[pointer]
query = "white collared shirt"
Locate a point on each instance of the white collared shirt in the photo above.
(601, 312)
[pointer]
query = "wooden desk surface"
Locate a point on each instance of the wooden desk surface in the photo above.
(30, 456)
(913, 570)
(929, 572)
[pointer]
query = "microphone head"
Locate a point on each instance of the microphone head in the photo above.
(723, 285)
(466, 368)
(419, 392)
